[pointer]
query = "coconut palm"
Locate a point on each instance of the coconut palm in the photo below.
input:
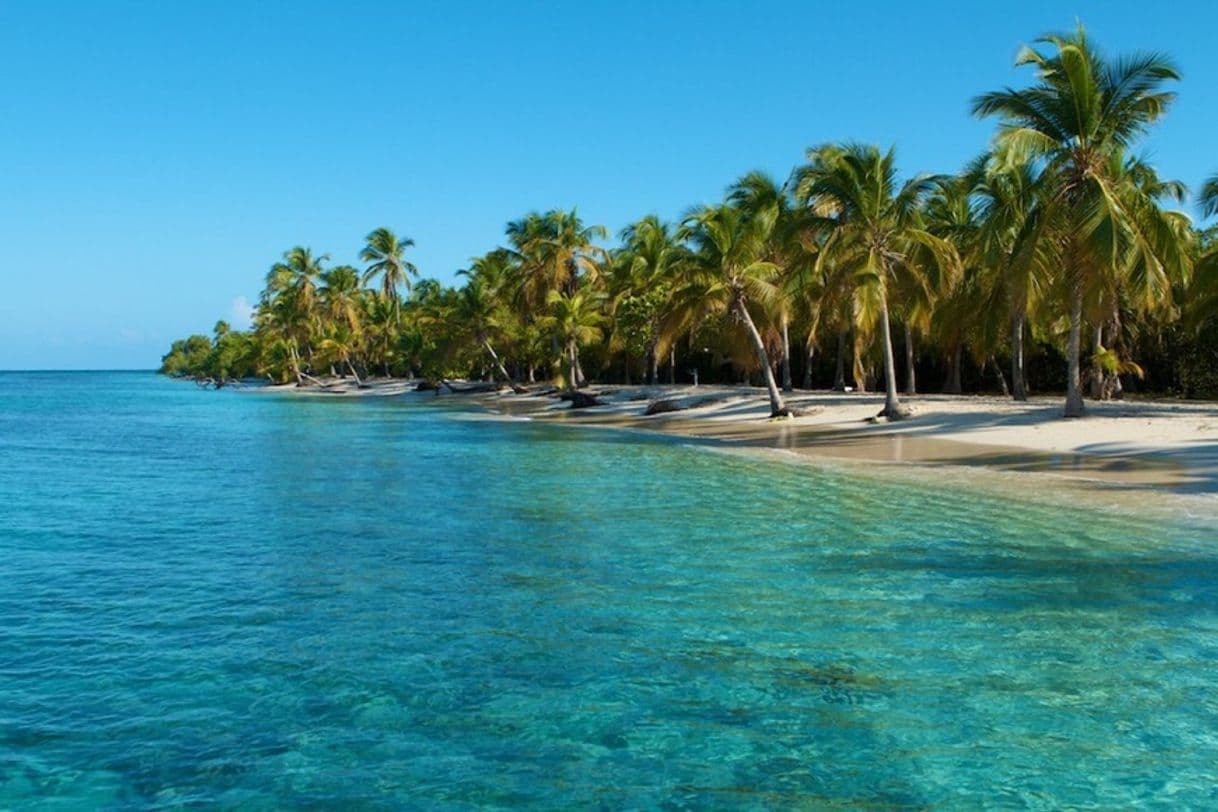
(477, 310)
(726, 274)
(1005, 189)
(575, 320)
(554, 252)
(1077, 122)
(340, 296)
(642, 275)
(342, 344)
(288, 306)
(386, 253)
(757, 194)
(876, 235)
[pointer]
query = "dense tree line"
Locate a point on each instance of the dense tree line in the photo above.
(1057, 260)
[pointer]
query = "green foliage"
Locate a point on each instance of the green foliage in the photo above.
(187, 356)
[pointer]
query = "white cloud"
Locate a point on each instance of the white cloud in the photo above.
(241, 314)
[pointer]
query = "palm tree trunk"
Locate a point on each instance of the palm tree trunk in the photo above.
(777, 407)
(499, 365)
(1002, 379)
(808, 364)
(952, 385)
(652, 367)
(839, 376)
(1097, 372)
(573, 362)
(1017, 379)
(911, 386)
(296, 366)
(1074, 392)
(892, 404)
(672, 366)
(787, 386)
(354, 374)
(859, 371)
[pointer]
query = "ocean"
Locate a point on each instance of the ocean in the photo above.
(247, 600)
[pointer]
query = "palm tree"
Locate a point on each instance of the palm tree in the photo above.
(1077, 122)
(554, 251)
(876, 234)
(341, 344)
(725, 274)
(643, 272)
(1005, 189)
(926, 293)
(340, 296)
(757, 194)
(381, 331)
(576, 320)
(477, 310)
(288, 306)
(387, 254)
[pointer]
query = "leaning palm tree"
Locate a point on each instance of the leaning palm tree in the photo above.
(341, 345)
(387, 254)
(757, 194)
(725, 274)
(1077, 122)
(876, 235)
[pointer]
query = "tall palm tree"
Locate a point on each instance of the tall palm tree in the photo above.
(1005, 189)
(387, 254)
(876, 234)
(725, 274)
(1077, 121)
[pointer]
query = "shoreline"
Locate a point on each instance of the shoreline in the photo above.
(1147, 445)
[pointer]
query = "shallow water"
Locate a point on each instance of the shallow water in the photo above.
(249, 600)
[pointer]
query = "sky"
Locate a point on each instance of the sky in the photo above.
(156, 158)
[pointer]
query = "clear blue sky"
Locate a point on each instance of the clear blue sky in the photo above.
(157, 157)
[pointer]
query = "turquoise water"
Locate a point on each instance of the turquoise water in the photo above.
(254, 601)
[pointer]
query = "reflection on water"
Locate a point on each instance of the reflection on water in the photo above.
(210, 598)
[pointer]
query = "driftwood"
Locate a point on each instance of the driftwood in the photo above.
(664, 406)
(580, 400)
(474, 387)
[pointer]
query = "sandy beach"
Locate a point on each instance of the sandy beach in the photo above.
(1160, 444)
